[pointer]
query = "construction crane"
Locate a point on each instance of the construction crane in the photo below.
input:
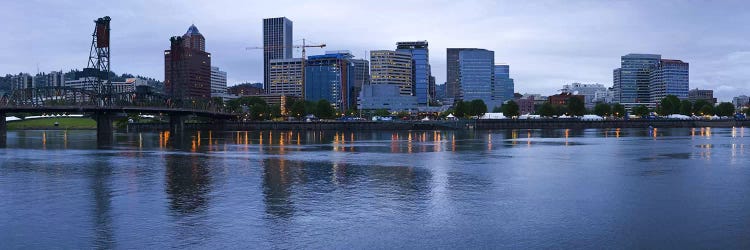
(304, 45)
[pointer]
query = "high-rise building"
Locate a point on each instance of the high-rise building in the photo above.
(632, 79)
(386, 96)
(193, 39)
(669, 77)
(286, 77)
(361, 75)
(392, 67)
(452, 88)
(331, 77)
(21, 81)
(218, 81)
(187, 67)
(476, 74)
(421, 71)
(504, 86)
(277, 44)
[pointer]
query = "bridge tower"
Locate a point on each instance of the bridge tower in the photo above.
(99, 60)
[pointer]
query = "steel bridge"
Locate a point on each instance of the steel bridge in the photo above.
(104, 108)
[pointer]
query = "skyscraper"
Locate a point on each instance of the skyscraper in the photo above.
(631, 80)
(277, 44)
(647, 79)
(452, 88)
(286, 77)
(504, 86)
(476, 73)
(187, 67)
(331, 77)
(669, 77)
(218, 81)
(392, 67)
(421, 71)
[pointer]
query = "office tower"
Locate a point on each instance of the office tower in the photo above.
(632, 79)
(421, 71)
(452, 84)
(669, 77)
(193, 39)
(504, 85)
(218, 81)
(277, 44)
(476, 74)
(187, 67)
(702, 94)
(331, 77)
(392, 67)
(285, 77)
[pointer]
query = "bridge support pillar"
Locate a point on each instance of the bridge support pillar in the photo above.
(104, 131)
(177, 124)
(3, 131)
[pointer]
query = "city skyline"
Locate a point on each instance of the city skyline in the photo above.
(547, 43)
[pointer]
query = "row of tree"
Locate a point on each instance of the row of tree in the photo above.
(256, 108)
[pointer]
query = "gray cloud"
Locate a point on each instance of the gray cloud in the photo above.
(547, 43)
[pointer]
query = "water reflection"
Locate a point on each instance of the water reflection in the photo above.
(188, 183)
(101, 188)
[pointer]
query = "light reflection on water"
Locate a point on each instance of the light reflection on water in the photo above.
(372, 189)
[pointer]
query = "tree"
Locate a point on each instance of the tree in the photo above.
(747, 111)
(274, 111)
(686, 107)
(707, 109)
(725, 109)
(460, 109)
(698, 105)
(546, 110)
(325, 110)
(640, 110)
(477, 107)
(576, 106)
(510, 109)
(618, 110)
(670, 105)
(297, 109)
(602, 109)
(382, 112)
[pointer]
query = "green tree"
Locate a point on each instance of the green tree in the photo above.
(602, 109)
(670, 105)
(460, 109)
(576, 106)
(686, 107)
(747, 111)
(297, 109)
(325, 110)
(618, 110)
(275, 111)
(698, 105)
(546, 110)
(707, 109)
(725, 109)
(510, 109)
(477, 107)
(382, 112)
(640, 110)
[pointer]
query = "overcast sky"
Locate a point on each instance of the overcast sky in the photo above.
(547, 43)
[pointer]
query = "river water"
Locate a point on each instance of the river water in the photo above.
(596, 188)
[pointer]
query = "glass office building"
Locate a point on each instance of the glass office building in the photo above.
(632, 79)
(476, 73)
(331, 77)
(504, 85)
(669, 77)
(277, 44)
(421, 72)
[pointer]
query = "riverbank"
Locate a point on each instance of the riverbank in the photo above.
(64, 123)
(440, 125)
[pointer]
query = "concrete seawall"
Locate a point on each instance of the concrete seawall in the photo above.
(439, 125)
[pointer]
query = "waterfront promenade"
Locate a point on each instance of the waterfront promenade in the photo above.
(442, 125)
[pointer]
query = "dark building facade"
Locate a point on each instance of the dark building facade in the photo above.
(187, 67)
(245, 89)
(277, 44)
